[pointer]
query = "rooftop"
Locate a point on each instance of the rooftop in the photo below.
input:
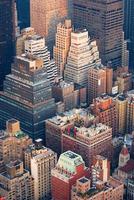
(129, 167)
(70, 115)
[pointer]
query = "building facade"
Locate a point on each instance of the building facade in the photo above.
(35, 45)
(88, 142)
(62, 45)
(104, 21)
(69, 168)
(16, 182)
(40, 160)
(7, 37)
(82, 55)
(33, 103)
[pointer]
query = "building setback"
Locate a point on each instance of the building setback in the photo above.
(104, 21)
(27, 96)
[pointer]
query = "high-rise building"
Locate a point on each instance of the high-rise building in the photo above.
(13, 142)
(45, 16)
(105, 108)
(88, 142)
(27, 96)
(20, 40)
(104, 21)
(7, 37)
(121, 106)
(69, 168)
(100, 169)
(56, 126)
(68, 94)
(129, 29)
(62, 45)
(96, 82)
(23, 10)
(82, 55)
(40, 161)
(130, 115)
(35, 45)
(16, 182)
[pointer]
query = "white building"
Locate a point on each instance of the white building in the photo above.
(83, 54)
(35, 45)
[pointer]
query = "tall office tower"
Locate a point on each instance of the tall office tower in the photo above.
(125, 52)
(7, 37)
(83, 54)
(13, 142)
(130, 112)
(20, 40)
(88, 142)
(40, 161)
(23, 10)
(129, 29)
(35, 45)
(100, 169)
(62, 45)
(16, 182)
(109, 80)
(96, 82)
(121, 106)
(56, 126)
(69, 168)
(105, 108)
(27, 96)
(104, 21)
(45, 16)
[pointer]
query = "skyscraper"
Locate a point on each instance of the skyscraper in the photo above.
(62, 45)
(23, 10)
(96, 82)
(27, 96)
(40, 161)
(69, 168)
(16, 182)
(7, 37)
(129, 29)
(46, 14)
(104, 21)
(35, 45)
(82, 55)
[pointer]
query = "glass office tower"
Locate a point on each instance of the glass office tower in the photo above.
(7, 37)
(27, 96)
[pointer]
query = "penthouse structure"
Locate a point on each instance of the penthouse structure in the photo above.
(35, 46)
(82, 55)
(112, 189)
(57, 125)
(62, 45)
(104, 21)
(40, 160)
(88, 142)
(33, 103)
(13, 142)
(69, 168)
(105, 108)
(20, 40)
(16, 182)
